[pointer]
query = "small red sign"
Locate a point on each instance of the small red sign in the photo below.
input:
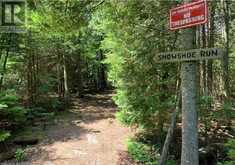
(188, 15)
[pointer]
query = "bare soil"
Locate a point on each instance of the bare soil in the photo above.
(88, 134)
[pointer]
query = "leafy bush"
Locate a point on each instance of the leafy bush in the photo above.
(226, 163)
(171, 162)
(225, 114)
(227, 110)
(144, 154)
(52, 104)
(20, 154)
(141, 153)
(230, 147)
(8, 98)
(35, 112)
(125, 117)
(57, 104)
(4, 135)
(10, 110)
(39, 113)
(205, 112)
(205, 101)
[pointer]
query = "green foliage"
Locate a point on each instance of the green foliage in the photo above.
(66, 37)
(4, 135)
(226, 112)
(205, 111)
(48, 104)
(141, 153)
(10, 109)
(230, 147)
(8, 98)
(39, 112)
(125, 117)
(205, 101)
(29, 133)
(56, 104)
(226, 163)
(20, 154)
(227, 109)
(144, 154)
(171, 162)
(2, 106)
(132, 38)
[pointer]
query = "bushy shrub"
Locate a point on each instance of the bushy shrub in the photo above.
(125, 117)
(51, 104)
(227, 109)
(144, 154)
(4, 135)
(39, 112)
(10, 109)
(141, 153)
(230, 147)
(20, 154)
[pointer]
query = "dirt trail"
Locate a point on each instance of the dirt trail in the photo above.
(88, 135)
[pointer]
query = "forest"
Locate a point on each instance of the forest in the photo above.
(82, 85)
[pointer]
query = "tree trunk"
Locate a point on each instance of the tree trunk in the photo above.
(101, 78)
(66, 86)
(225, 63)
(34, 75)
(79, 76)
(170, 132)
(189, 115)
(204, 63)
(30, 71)
(4, 69)
(59, 78)
(211, 44)
(163, 98)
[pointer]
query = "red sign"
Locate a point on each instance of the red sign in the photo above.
(188, 15)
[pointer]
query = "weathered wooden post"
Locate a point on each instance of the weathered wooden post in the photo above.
(189, 152)
(189, 155)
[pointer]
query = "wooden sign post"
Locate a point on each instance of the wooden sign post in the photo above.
(189, 153)
(188, 15)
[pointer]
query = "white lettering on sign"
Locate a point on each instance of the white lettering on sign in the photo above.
(191, 55)
(189, 15)
(188, 20)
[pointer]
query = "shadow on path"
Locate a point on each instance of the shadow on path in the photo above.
(88, 134)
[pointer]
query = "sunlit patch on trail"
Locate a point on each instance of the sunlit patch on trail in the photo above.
(79, 152)
(91, 138)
